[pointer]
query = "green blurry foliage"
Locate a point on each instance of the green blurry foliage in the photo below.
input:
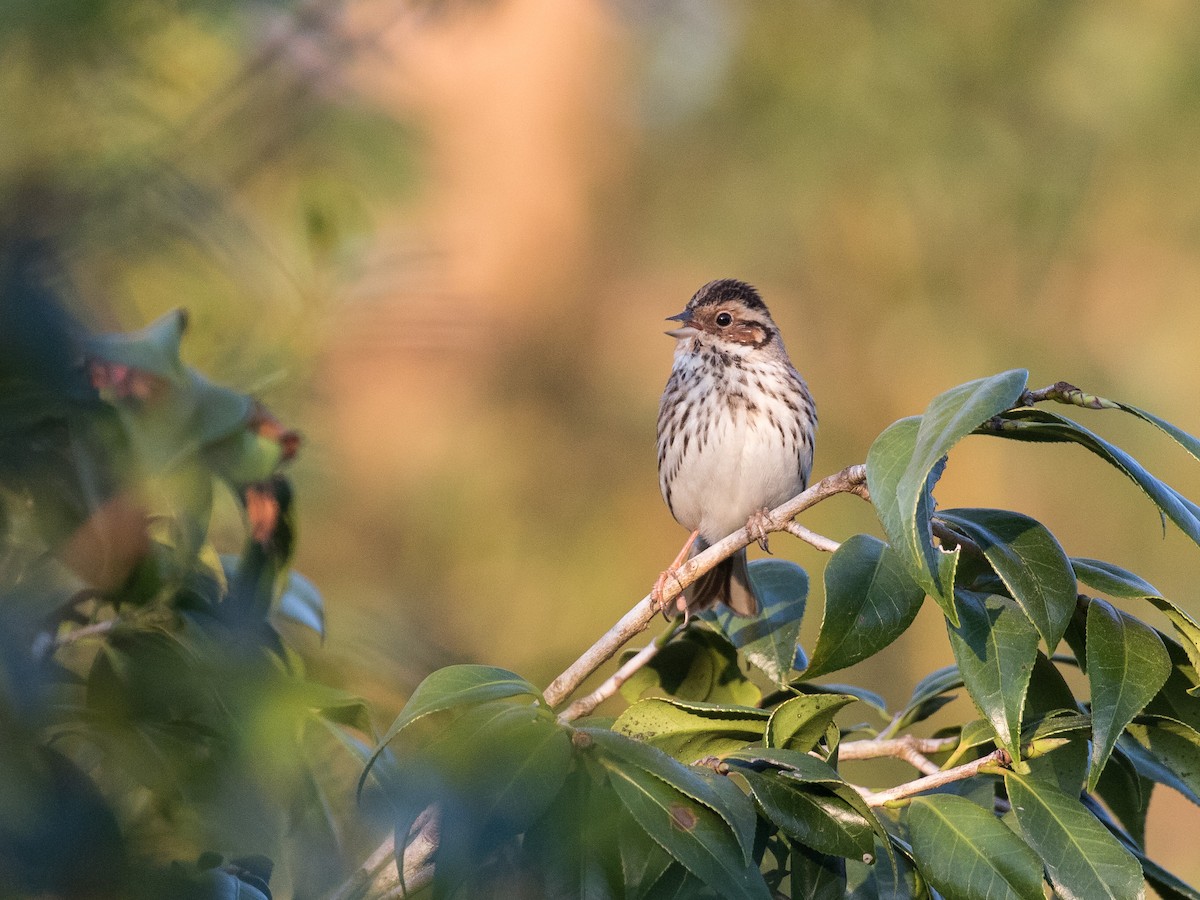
(706, 785)
(153, 707)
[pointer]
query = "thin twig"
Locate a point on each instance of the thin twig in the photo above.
(584, 705)
(850, 480)
(908, 748)
(819, 541)
(997, 759)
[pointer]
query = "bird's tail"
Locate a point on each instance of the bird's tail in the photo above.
(728, 583)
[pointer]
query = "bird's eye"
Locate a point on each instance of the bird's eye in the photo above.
(724, 319)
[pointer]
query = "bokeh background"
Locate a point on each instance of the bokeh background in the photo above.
(440, 239)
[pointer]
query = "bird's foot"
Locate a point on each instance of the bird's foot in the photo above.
(760, 525)
(672, 572)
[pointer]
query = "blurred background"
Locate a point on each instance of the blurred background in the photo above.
(440, 238)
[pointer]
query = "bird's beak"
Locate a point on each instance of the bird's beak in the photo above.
(687, 329)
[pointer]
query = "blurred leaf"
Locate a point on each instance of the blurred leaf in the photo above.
(798, 724)
(458, 685)
(698, 665)
(1037, 425)
(1126, 666)
(691, 831)
(690, 731)
(154, 348)
(870, 600)
(1081, 856)
(302, 603)
(906, 460)
(1028, 560)
(586, 846)
(768, 640)
(966, 852)
(617, 748)
(995, 646)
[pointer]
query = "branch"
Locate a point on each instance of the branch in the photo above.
(997, 759)
(378, 877)
(585, 705)
(908, 748)
(851, 480)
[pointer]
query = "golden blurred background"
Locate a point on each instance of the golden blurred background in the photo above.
(440, 239)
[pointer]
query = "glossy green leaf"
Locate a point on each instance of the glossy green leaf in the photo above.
(806, 769)
(1117, 582)
(800, 722)
(965, 852)
(1083, 859)
(698, 664)
(812, 814)
(910, 535)
(995, 647)
(1038, 425)
(452, 686)
(768, 640)
(905, 462)
(1030, 562)
(870, 698)
(1050, 694)
(1126, 665)
(870, 600)
(690, 731)
(1127, 793)
(690, 831)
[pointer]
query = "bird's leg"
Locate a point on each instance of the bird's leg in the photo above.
(759, 526)
(656, 593)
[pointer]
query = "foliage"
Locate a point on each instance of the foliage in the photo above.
(707, 786)
(153, 711)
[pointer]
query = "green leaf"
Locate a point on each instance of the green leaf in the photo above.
(805, 769)
(870, 698)
(1050, 694)
(817, 876)
(698, 664)
(768, 640)
(1126, 665)
(1112, 579)
(870, 600)
(1038, 425)
(929, 695)
(1028, 560)
(800, 722)
(812, 814)
(692, 731)
(154, 348)
(302, 603)
(906, 460)
(632, 754)
(1117, 582)
(1083, 859)
(995, 646)
(690, 831)
(1127, 793)
(449, 687)
(965, 852)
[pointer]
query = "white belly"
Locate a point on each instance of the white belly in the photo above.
(744, 465)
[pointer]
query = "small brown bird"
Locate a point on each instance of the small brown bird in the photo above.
(736, 427)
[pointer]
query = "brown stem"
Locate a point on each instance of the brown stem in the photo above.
(995, 759)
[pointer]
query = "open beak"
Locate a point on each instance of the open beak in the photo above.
(686, 330)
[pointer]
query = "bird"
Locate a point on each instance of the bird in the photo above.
(736, 428)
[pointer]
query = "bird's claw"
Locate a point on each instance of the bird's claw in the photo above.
(759, 526)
